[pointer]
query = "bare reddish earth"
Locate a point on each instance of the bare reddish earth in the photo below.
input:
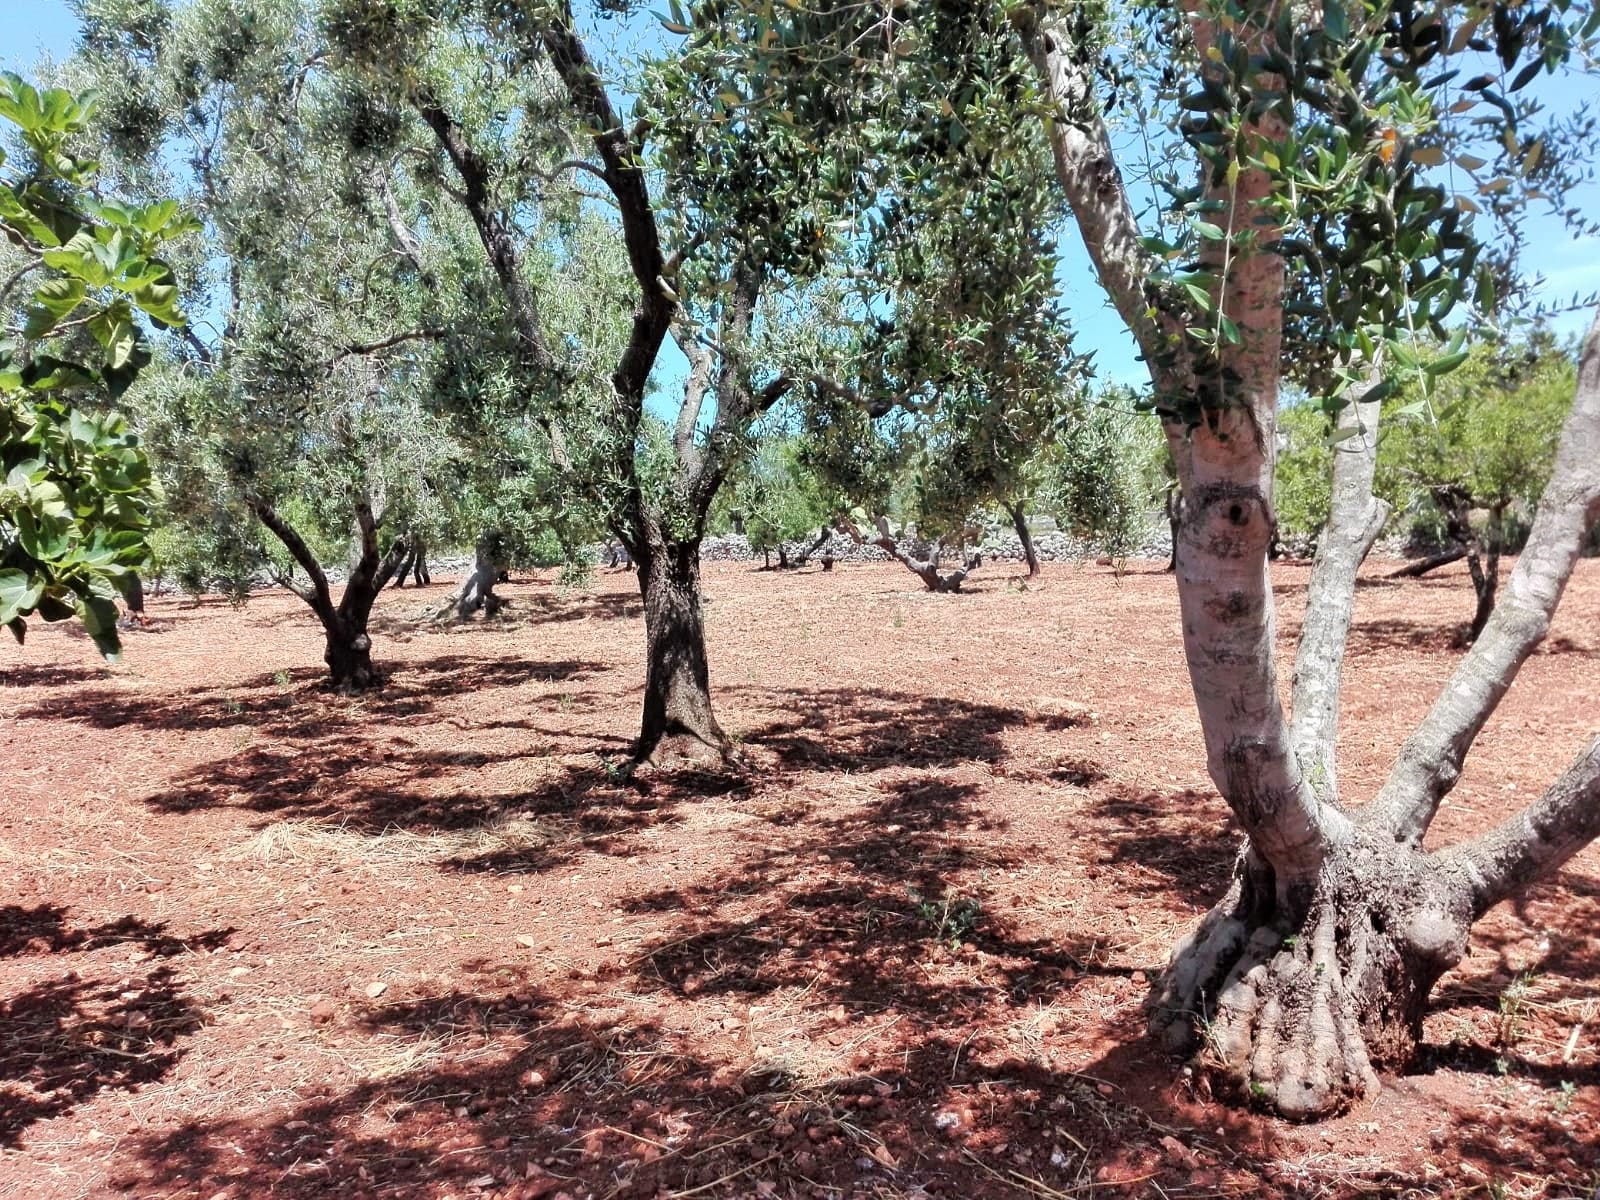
(257, 940)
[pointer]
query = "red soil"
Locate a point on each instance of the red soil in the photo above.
(258, 940)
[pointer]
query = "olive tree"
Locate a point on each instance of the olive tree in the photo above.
(1482, 439)
(302, 400)
(1310, 241)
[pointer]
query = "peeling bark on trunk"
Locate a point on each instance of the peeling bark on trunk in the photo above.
(1019, 521)
(678, 727)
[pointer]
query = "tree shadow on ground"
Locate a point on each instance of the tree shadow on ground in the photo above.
(52, 675)
(519, 614)
(44, 929)
(1387, 636)
(587, 1090)
(885, 911)
(70, 1038)
(294, 704)
(865, 729)
(1182, 842)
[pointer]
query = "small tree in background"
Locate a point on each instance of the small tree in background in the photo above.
(782, 502)
(1103, 477)
(1303, 486)
(1477, 449)
(78, 276)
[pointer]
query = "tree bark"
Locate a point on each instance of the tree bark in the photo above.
(1019, 521)
(1355, 519)
(347, 645)
(1433, 562)
(678, 727)
(477, 589)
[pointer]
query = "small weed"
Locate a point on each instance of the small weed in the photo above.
(1513, 1008)
(952, 917)
(232, 707)
(1258, 1089)
(899, 619)
(1564, 1101)
(564, 702)
(281, 678)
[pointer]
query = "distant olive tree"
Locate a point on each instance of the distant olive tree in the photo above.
(1477, 449)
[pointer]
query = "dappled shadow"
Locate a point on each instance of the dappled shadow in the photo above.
(520, 613)
(294, 703)
(43, 929)
(597, 1098)
(54, 675)
(1386, 636)
(1182, 842)
(883, 910)
(863, 729)
(69, 1038)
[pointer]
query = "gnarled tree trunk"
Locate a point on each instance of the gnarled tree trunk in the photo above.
(347, 644)
(477, 589)
(1300, 987)
(926, 569)
(1315, 968)
(679, 727)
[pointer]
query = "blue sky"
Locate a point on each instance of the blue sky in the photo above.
(29, 28)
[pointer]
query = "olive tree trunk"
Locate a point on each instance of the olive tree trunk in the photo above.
(1314, 970)
(679, 727)
(476, 592)
(1019, 521)
(925, 569)
(347, 643)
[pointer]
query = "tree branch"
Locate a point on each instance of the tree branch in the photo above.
(195, 344)
(1355, 519)
(1537, 841)
(623, 170)
(1088, 171)
(492, 231)
(394, 339)
(319, 598)
(1430, 762)
(694, 391)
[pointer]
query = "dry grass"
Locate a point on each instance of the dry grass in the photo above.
(329, 841)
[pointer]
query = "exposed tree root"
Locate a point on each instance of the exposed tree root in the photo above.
(1296, 999)
(682, 751)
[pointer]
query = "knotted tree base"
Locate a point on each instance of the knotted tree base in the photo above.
(1296, 996)
(350, 668)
